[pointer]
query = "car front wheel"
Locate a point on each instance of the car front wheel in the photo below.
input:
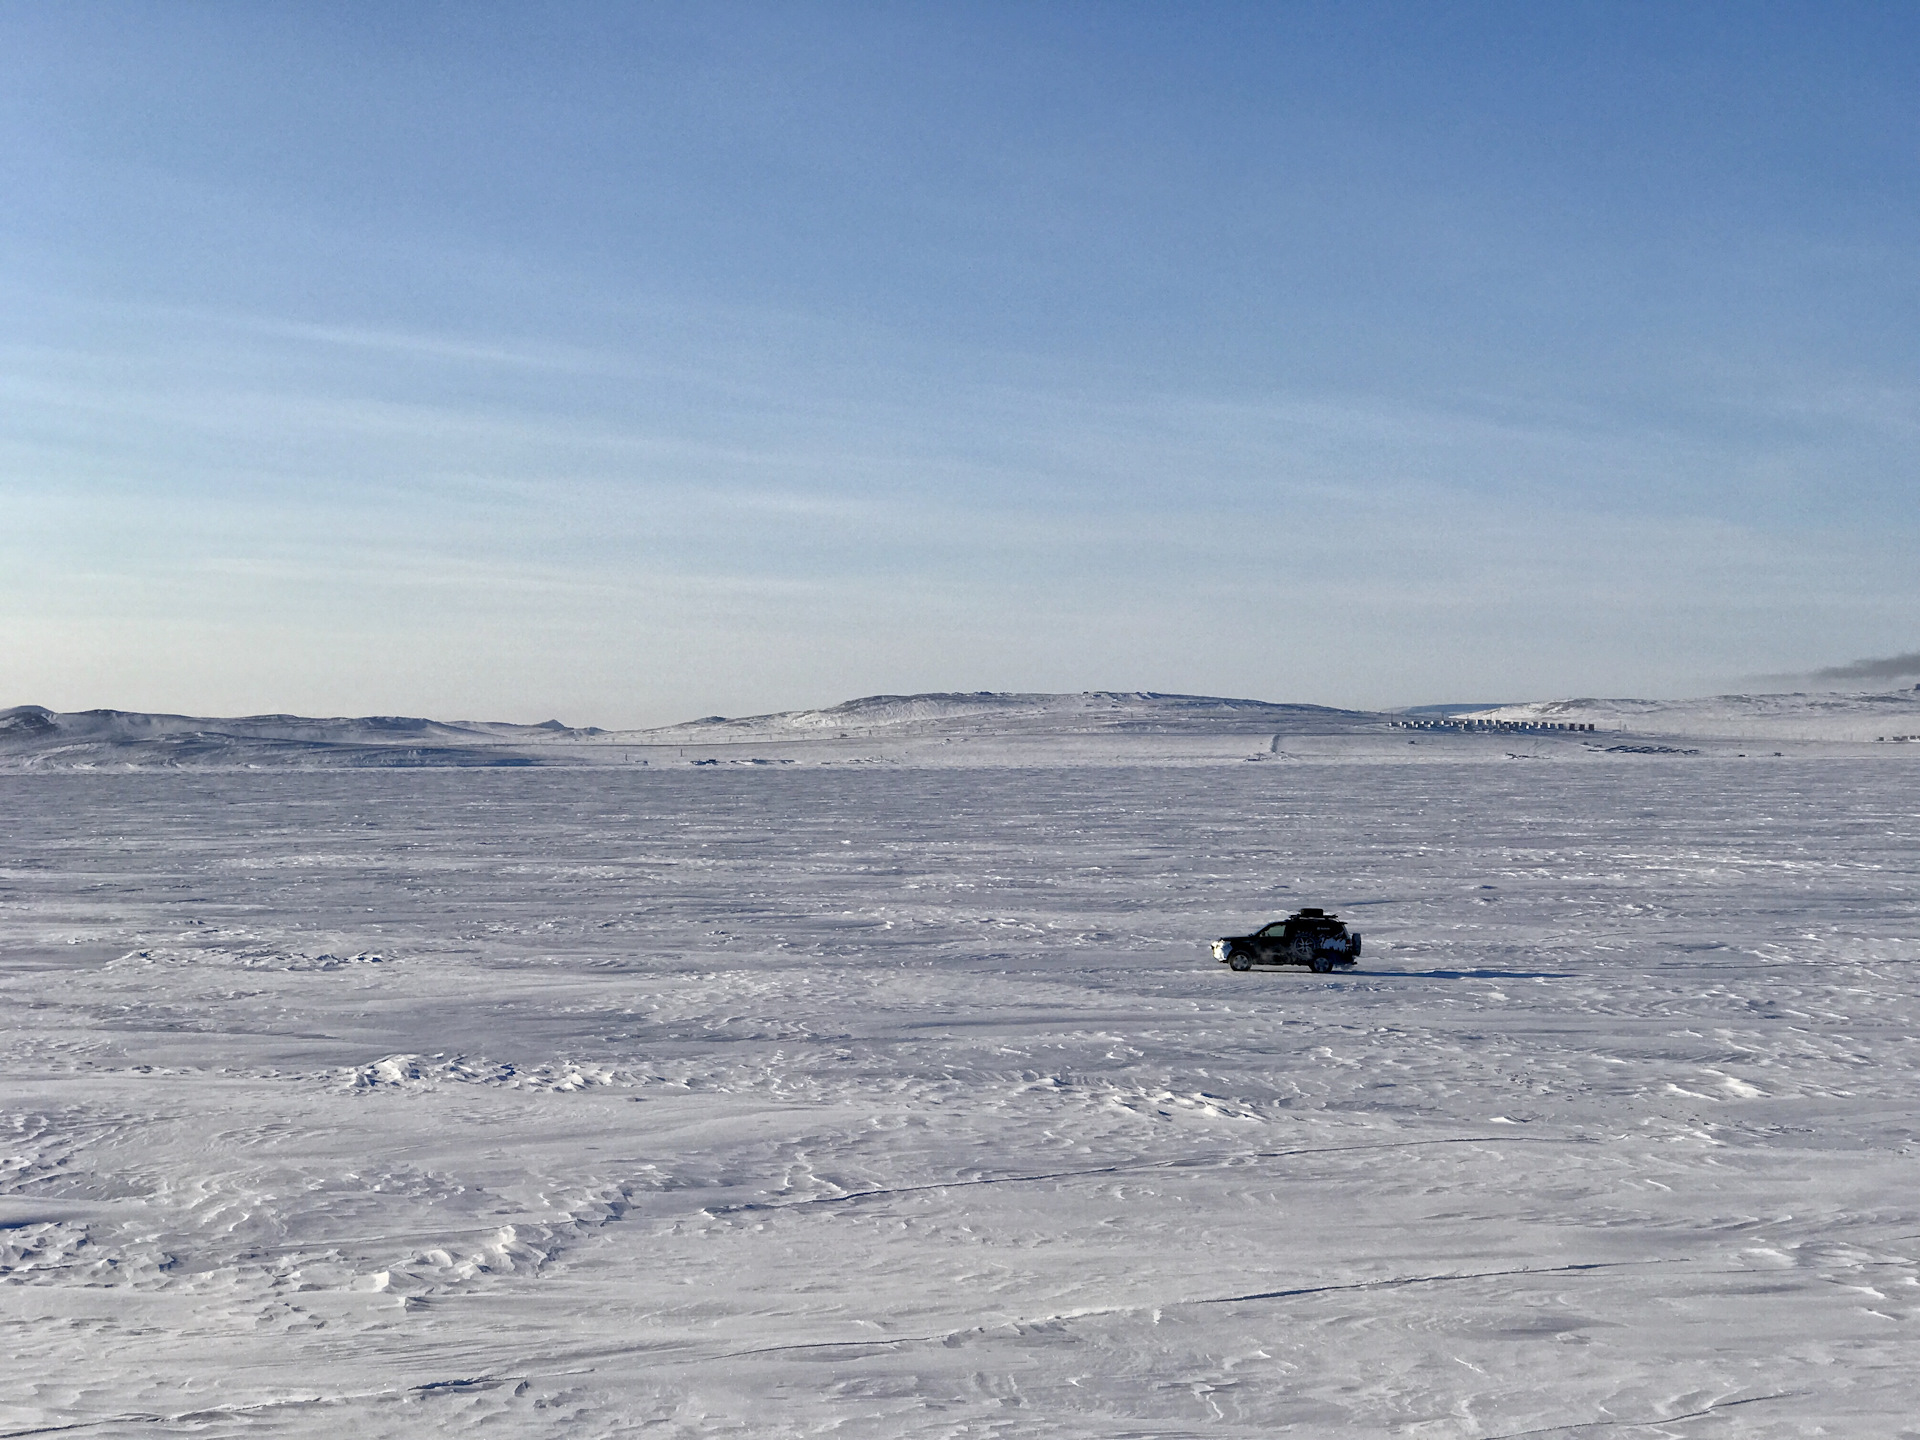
(1240, 960)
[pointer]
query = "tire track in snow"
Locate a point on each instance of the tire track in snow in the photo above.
(1137, 1167)
(1398, 1281)
(952, 1337)
(462, 1385)
(1647, 1424)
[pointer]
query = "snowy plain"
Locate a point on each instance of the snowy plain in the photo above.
(904, 1099)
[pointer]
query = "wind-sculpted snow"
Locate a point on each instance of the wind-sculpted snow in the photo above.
(907, 1102)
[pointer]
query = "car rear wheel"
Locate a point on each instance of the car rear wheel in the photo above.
(1321, 962)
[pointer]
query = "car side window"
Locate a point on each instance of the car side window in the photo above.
(1274, 931)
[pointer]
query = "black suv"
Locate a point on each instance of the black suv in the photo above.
(1309, 937)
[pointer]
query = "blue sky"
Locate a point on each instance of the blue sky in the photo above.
(629, 363)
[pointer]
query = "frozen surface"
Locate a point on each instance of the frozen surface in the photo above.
(797, 1101)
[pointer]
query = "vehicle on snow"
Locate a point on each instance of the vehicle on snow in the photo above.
(1309, 937)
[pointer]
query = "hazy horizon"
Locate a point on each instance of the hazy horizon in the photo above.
(579, 723)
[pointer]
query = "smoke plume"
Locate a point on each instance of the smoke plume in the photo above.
(1893, 667)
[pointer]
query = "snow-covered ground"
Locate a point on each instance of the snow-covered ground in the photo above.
(905, 1101)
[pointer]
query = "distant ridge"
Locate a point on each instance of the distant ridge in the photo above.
(135, 724)
(33, 737)
(942, 728)
(1084, 711)
(36, 737)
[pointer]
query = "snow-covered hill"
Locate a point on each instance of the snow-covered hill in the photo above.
(1867, 717)
(998, 712)
(32, 736)
(970, 729)
(990, 728)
